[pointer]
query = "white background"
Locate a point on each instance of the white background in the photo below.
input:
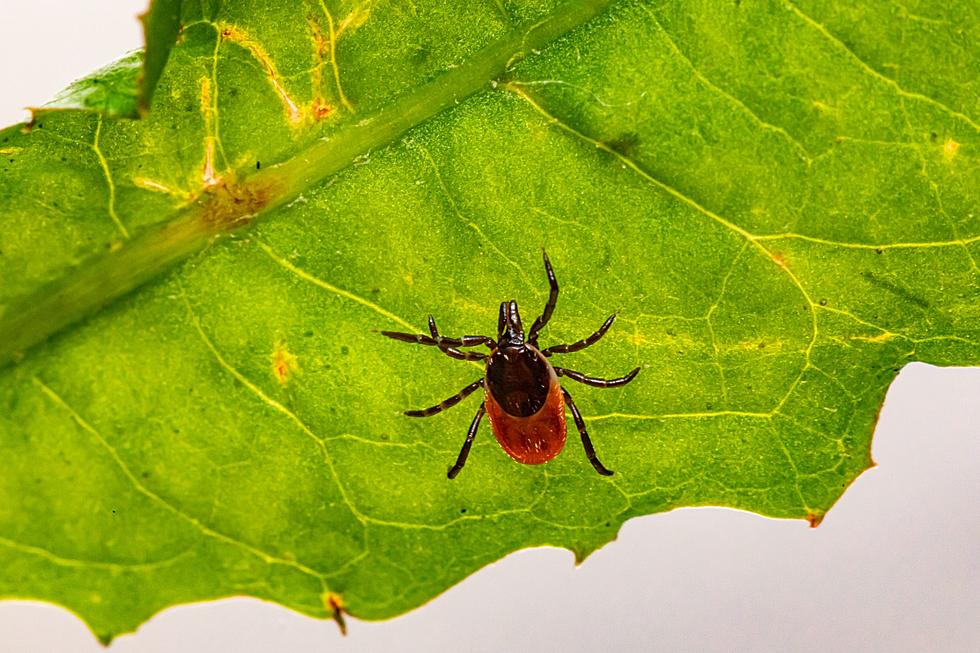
(894, 567)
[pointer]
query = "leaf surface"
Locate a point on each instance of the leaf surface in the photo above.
(779, 200)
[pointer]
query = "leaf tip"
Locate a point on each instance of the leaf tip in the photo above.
(335, 604)
(815, 518)
(104, 638)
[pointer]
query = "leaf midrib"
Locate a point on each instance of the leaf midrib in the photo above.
(237, 203)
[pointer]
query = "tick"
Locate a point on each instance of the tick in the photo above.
(521, 393)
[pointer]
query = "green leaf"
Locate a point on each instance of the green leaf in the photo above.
(779, 199)
(124, 89)
(161, 25)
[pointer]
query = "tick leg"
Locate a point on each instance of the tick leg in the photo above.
(448, 345)
(465, 451)
(581, 344)
(586, 442)
(549, 308)
(448, 403)
(593, 381)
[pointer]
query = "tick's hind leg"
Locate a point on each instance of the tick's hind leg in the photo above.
(597, 383)
(581, 344)
(465, 451)
(586, 442)
(448, 403)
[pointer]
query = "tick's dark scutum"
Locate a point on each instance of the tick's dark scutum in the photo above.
(519, 379)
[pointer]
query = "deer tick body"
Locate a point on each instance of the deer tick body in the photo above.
(522, 396)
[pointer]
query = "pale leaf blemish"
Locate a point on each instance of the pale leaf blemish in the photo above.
(208, 176)
(822, 107)
(881, 337)
(284, 363)
(357, 17)
(236, 35)
(637, 339)
(325, 49)
(320, 46)
(158, 187)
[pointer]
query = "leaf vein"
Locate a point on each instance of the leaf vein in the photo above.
(110, 184)
(756, 118)
(874, 73)
(159, 500)
(340, 292)
(80, 563)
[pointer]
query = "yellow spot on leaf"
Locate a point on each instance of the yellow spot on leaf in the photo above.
(284, 364)
(949, 149)
(824, 108)
(7, 151)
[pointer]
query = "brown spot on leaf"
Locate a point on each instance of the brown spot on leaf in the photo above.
(814, 518)
(229, 204)
(284, 363)
(321, 109)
